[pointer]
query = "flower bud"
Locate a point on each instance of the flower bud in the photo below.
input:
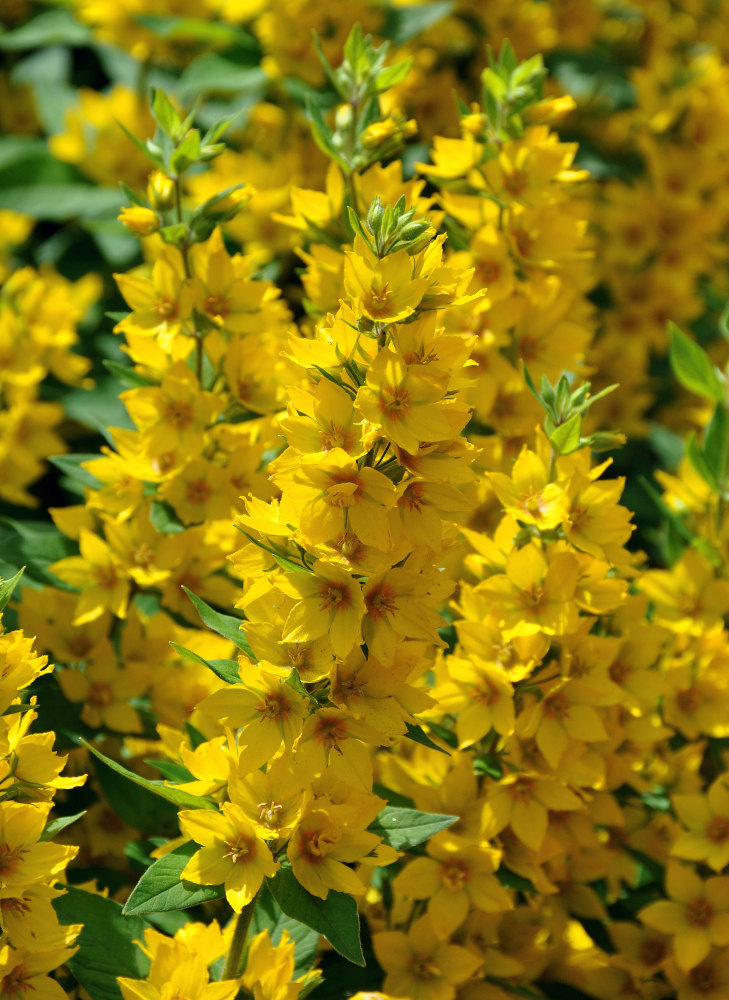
(139, 220)
(160, 190)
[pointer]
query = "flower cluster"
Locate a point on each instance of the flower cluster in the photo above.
(39, 314)
(33, 942)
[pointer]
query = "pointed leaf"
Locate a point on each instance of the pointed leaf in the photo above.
(161, 888)
(226, 670)
(335, 917)
(7, 587)
(174, 795)
(225, 625)
(106, 945)
(404, 828)
(693, 367)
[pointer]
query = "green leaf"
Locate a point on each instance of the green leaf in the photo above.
(170, 770)
(137, 807)
(566, 438)
(226, 670)
(61, 202)
(164, 519)
(71, 466)
(418, 735)
(193, 30)
(35, 545)
(7, 587)
(404, 23)
(161, 888)
(125, 373)
(716, 444)
(699, 462)
(225, 625)
(392, 75)
(164, 791)
(55, 826)
(323, 134)
(511, 880)
(693, 367)
(165, 114)
(404, 828)
(53, 27)
(106, 945)
(269, 916)
(335, 917)
(213, 73)
(187, 153)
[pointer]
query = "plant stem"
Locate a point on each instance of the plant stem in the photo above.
(236, 955)
(188, 274)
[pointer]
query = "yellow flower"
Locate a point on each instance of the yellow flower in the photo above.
(420, 965)
(696, 913)
(266, 710)
(527, 494)
(523, 801)
(320, 850)
(480, 696)
(385, 290)
(329, 602)
(706, 821)
(453, 879)
(232, 854)
(23, 859)
(535, 594)
(99, 574)
(23, 973)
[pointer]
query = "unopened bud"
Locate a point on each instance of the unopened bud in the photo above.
(139, 220)
(160, 190)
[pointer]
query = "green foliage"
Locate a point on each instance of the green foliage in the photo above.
(692, 366)
(335, 917)
(106, 945)
(160, 788)
(225, 625)
(162, 888)
(405, 828)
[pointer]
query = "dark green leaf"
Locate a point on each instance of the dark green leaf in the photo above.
(404, 23)
(61, 202)
(125, 373)
(52, 27)
(35, 545)
(71, 466)
(404, 828)
(716, 444)
(225, 625)
(137, 807)
(106, 947)
(335, 917)
(226, 670)
(7, 587)
(164, 519)
(418, 735)
(174, 795)
(161, 887)
(269, 916)
(693, 367)
(55, 826)
(511, 880)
